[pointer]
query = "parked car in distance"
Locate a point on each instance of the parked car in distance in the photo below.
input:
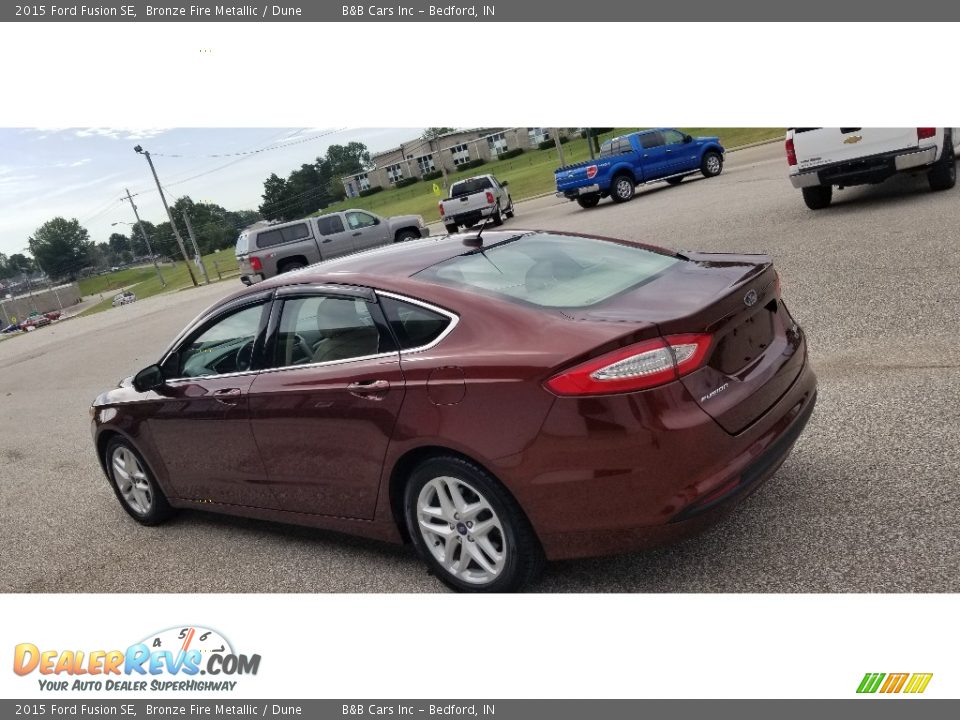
(638, 159)
(823, 158)
(474, 199)
(542, 396)
(34, 320)
(267, 251)
(124, 298)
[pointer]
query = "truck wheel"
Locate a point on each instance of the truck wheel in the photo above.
(405, 235)
(818, 197)
(622, 189)
(711, 165)
(509, 211)
(290, 266)
(451, 229)
(943, 176)
(588, 201)
(497, 216)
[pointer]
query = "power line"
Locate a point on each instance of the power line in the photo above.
(266, 148)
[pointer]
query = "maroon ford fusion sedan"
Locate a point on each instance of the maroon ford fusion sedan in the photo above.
(498, 402)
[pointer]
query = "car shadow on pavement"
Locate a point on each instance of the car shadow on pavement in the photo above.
(899, 189)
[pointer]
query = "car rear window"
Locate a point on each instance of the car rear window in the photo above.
(552, 271)
(415, 326)
(243, 244)
(468, 187)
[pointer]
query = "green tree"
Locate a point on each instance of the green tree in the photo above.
(274, 191)
(348, 159)
(118, 242)
(19, 263)
(61, 246)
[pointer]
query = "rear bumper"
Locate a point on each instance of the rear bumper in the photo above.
(469, 218)
(574, 193)
(644, 492)
(863, 171)
(251, 278)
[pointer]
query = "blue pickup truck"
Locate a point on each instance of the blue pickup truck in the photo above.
(636, 159)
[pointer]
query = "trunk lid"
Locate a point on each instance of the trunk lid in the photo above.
(756, 349)
(825, 146)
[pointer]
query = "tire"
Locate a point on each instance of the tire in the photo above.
(675, 180)
(497, 217)
(290, 266)
(134, 484)
(622, 189)
(506, 557)
(509, 211)
(405, 235)
(817, 197)
(451, 229)
(712, 164)
(943, 175)
(589, 201)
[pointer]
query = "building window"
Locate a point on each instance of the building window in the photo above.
(363, 182)
(461, 154)
(394, 173)
(425, 164)
(538, 135)
(497, 143)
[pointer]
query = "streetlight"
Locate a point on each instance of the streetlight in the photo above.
(173, 225)
(146, 239)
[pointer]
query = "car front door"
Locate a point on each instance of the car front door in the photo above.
(324, 412)
(367, 229)
(333, 238)
(681, 156)
(200, 424)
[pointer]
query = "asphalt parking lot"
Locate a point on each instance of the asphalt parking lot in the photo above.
(869, 501)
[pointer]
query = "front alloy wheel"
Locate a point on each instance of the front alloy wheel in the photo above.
(134, 485)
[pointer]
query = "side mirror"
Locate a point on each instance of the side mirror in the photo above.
(150, 378)
(688, 138)
(376, 221)
(505, 183)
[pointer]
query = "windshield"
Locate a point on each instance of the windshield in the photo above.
(553, 271)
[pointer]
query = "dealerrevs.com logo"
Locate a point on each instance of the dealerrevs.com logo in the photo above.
(180, 659)
(892, 683)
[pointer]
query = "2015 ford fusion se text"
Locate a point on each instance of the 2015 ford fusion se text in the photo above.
(497, 401)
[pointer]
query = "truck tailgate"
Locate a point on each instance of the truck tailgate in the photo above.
(825, 146)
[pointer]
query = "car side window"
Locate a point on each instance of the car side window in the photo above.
(330, 225)
(358, 220)
(224, 347)
(672, 137)
(414, 326)
(323, 329)
(651, 140)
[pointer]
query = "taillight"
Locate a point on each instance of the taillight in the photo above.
(440, 205)
(924, 133)
(255, 263)
(490, 199)
(791, 152)
(637, 367)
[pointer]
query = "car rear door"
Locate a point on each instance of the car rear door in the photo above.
(324, 413)
(333, 238)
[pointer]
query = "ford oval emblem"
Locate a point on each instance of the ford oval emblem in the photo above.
(750, 299)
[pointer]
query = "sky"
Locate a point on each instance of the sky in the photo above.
(82, 172)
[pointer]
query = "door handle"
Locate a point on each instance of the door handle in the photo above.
(227, 396)
(357, 234)
(371, 389)
(327, 239)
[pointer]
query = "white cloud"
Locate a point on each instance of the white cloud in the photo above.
(121, 133)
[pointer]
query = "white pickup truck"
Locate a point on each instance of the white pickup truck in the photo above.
(820, 158)
(474, 199)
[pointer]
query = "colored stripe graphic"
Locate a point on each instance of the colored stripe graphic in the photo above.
(894, 683)
(918, 683)
(870, 682)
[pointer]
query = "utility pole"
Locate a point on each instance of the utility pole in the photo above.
(196, 250)
(556, 139)
(173, 225)
(590, 143)
(146, 239)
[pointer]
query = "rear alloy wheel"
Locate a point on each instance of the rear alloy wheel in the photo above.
(943, 176)
(405, 235)
(711, 165)
(589, 201)
(468, 529)
(818, 197)
(134, 485)
(622, 189)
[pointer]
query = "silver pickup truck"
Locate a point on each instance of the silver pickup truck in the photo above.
(273, 249)
(474, 199)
